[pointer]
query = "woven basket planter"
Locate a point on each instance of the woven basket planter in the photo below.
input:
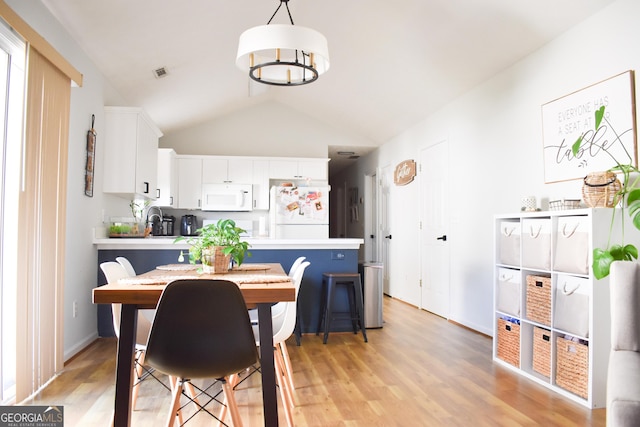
(214, 260)
(599, 189)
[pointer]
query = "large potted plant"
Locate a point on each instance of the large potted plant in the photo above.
(216, 246)
(627, 196)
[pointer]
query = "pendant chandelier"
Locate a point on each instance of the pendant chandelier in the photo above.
(283, 55)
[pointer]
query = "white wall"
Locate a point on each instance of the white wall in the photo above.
(266, 129)
(495, 139)
(83, 213)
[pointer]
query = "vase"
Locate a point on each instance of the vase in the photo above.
(214, 261)
(600, 190)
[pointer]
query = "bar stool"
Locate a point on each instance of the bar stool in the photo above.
(330, 282)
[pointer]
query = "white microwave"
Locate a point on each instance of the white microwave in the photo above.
(227, 197)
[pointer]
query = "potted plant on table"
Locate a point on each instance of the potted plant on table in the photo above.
(626, 195)
(216, 246)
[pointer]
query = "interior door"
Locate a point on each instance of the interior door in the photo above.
(371, 219)
(435, 242)
(384, 229)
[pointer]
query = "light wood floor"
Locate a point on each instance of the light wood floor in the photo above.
(418, 370)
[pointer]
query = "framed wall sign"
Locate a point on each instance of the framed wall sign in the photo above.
(405, 172)
(565, 119)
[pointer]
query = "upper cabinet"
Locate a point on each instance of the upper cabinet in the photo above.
(221, 170)
(261, 184)
(131, 153)
(167, 191)
(189, 182)
(316, 169)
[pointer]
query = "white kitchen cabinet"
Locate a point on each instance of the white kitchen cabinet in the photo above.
(222, 170)
(315, 169)
(130, 153)
(551, 316)
(261, 184)
(189, 182)
(167, 191)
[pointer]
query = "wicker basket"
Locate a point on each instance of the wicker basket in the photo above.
(509, 342)
(539, 299)
(572, 369)
(542, 351)
(600, 189)
(214, 261)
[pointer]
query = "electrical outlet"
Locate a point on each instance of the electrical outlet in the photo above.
(75, 309)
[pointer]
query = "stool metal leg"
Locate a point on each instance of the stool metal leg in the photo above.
(360, 305)
(331, 286)
(353, 308)
(323, 306)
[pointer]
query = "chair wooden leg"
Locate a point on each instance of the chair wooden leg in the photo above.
(231, 403)
(287, 364)
(176, 392)
(139, 357)
(284, 378)
(192, 392)
(284, 388)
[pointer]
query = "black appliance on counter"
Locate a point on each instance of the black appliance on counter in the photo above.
(188, 225)
(168, 225)
(164, 227)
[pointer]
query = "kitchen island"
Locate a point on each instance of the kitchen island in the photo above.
(325, 255)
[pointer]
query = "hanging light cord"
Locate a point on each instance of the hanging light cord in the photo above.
(286, 4)
(304, 55)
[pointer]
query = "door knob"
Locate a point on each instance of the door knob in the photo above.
(388, 237)
(443, 238)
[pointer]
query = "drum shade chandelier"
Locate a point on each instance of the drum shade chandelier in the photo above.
(283, 55)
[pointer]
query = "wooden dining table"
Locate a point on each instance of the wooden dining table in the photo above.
(261, 284)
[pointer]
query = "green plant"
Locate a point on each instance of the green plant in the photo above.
(628, 195)
(137, 209)
(223, 233)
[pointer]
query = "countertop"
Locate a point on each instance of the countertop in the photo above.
(166, 242)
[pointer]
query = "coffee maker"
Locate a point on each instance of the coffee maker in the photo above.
(168, 223)
(188, 225)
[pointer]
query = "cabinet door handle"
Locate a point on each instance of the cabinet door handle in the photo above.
(372, 236)
(146, 188)
(170, 200)
(443, 238)
(157, 193)
(388, 237)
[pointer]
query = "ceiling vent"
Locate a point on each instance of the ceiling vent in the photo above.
(160, 72)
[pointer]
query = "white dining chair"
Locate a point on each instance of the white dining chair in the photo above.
(284, 322)
(295, 265)
(126, 264)
(149, 314)
(113, 272)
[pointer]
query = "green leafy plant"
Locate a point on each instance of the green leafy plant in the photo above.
(223, 233)
(137, 209)
(628, 195)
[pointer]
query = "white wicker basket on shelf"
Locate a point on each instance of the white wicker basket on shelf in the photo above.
(562, 204)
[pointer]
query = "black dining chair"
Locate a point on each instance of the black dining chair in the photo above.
(201, 330)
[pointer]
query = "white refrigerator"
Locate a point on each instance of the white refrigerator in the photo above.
(299, 212)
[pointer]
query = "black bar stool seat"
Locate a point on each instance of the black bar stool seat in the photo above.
(330, 283)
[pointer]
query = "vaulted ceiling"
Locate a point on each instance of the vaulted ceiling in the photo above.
(392, 62)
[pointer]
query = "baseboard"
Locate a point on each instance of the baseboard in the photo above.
(73, 351)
